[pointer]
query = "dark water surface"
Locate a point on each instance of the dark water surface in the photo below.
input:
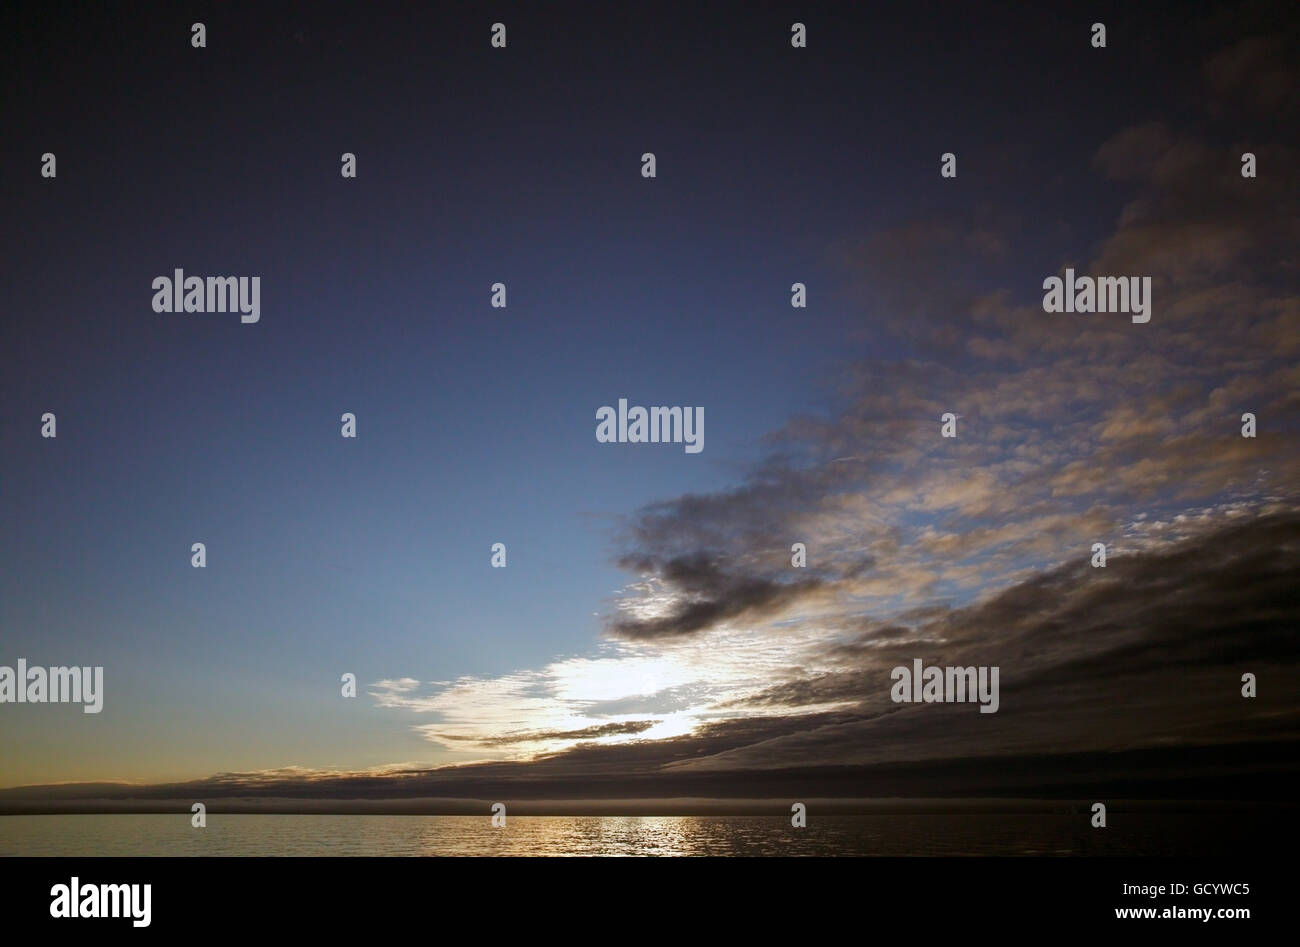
(1139, 833)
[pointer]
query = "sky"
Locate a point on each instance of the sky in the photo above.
(649, 634)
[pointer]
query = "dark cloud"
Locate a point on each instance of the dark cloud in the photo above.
(1258, 74)
(705, 595)
(1126, 679)
(1071, 429)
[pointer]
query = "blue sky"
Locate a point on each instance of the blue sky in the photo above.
(476, 425)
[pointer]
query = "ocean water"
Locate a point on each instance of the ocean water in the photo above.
(892, 834)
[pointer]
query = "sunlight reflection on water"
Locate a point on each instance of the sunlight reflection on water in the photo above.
(883, 834)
